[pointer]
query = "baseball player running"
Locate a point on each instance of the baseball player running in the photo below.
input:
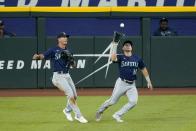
(62, 59)
(126, 83)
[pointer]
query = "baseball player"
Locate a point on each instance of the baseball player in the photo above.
(128, 64)
(62, 60)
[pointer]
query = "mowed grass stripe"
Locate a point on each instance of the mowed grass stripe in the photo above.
(153, 113)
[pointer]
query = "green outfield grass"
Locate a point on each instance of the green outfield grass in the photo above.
(153, 113)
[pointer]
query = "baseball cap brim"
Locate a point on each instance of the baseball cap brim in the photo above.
(128, 42)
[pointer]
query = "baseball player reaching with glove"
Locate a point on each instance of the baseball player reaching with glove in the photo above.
(128, 64)
(62, 59)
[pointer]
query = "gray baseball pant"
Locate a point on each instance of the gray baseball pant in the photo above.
(120, 89)
(65, 83)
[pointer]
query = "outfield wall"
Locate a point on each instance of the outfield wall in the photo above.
(170, 60)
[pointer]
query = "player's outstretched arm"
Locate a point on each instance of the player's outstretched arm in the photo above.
(146, 75)
(114, 57)
(114, 46)
(38, 56)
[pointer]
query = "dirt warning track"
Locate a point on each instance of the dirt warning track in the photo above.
(94, 92)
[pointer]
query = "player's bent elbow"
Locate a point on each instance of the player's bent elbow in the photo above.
(41, 56)
(114, 59)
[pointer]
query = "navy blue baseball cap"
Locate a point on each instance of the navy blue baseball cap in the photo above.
(163, 20)
(62, 34)
(128, 41)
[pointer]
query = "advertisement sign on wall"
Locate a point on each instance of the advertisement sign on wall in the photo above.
(98, 3)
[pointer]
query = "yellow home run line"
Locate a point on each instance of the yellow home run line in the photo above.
(147, 9)
(154, 9)
(14, 9)
(70, 9)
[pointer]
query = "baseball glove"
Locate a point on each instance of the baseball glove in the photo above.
(67, 56)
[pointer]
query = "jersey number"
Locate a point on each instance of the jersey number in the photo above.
(134, 71)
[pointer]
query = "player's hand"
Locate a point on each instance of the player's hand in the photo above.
(149, 85)
(35, 56)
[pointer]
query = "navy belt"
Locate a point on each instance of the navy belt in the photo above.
(61, 72)
(127, 81)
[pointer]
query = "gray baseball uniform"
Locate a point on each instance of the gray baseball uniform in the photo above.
(125, 84)
(61, 77)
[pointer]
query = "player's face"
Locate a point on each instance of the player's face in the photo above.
(163, 25)
(1, 27)
(127, 47)
(62, 42)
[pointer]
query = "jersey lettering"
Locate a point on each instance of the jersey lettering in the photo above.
(58, 64)
(57, 56)
(128, 63)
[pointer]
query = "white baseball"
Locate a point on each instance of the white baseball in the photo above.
(122, 25)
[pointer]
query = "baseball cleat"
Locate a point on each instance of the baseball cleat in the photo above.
(68, 115)
(81, 119)
(117, 118)
(98, 116)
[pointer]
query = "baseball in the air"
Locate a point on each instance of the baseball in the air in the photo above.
(122, 25)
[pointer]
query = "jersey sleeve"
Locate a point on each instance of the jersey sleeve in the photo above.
(141, 64)
(48, 54)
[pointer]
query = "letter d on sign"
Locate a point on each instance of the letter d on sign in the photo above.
(20, 64)
(31, 3)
